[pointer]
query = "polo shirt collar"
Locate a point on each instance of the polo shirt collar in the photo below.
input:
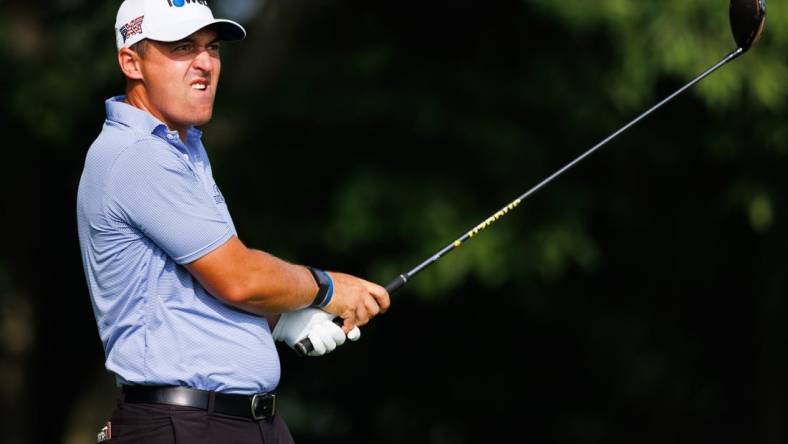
(120, 111)
(131, 116)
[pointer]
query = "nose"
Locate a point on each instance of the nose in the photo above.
(204, 61)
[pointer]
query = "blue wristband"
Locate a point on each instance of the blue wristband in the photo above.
(330, 291)
(325, 287)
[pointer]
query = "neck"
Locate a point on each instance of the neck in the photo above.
(137, 97)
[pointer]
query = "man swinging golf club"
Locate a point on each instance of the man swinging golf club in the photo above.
(184, 309)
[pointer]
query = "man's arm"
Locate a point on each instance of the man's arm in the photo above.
(253, 280)
(260, 283)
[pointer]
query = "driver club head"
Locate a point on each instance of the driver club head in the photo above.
(747, 21)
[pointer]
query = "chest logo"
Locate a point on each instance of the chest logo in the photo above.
(217, 195)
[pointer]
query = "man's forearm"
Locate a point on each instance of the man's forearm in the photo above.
(274, 286)
(254, 281)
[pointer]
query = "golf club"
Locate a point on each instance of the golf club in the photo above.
(747, 18)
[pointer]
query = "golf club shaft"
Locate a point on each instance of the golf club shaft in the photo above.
(305, 345)
(402, 279)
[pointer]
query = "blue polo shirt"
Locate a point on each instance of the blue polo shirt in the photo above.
(147, 204)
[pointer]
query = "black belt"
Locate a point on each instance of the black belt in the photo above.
(258, 407)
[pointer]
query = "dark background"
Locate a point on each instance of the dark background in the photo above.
(639, 298)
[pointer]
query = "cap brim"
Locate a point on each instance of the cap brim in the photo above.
(227, 30)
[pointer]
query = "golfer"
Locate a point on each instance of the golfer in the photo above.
(184, 309)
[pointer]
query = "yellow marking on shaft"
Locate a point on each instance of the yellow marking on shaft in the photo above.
(489, 221)
(457, 243)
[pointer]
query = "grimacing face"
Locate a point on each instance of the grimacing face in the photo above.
(180, 79)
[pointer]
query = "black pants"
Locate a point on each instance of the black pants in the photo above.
(166, 424)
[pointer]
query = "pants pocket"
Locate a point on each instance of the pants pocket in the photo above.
(192, 428)
(141, 423)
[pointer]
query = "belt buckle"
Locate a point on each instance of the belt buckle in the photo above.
(260, 407)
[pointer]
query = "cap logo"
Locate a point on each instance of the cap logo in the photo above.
(132, 28)
(179, 3)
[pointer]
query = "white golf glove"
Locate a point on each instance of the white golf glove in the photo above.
(315, 324)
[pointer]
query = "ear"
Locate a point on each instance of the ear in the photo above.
(130, 62)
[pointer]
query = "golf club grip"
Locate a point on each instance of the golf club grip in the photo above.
(303, 347)
(396, 284)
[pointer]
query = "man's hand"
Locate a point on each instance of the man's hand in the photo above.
(356, 301)
(315, 324)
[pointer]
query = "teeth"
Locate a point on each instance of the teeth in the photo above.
(199, 86)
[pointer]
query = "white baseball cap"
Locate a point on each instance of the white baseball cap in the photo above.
(169, 21)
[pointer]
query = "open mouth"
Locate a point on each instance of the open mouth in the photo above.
(200, 85)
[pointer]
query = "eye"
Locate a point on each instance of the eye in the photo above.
(213, 47)
(186, 47)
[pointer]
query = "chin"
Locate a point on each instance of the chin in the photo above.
(202, 118)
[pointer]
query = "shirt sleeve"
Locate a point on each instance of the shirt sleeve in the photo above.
(153, 189)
